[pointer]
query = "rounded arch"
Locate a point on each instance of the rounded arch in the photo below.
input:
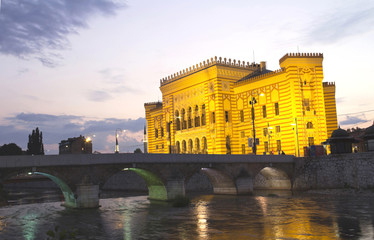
(184, 146)
(190, 146)
(197, 145)
(178, 147)
(183, 119)
(156, 187)
(189, 116)
(204, 145)
(69, 197)
(178, 120)
(228, 145)
(272, 178)
(197, 116)
(221, 182)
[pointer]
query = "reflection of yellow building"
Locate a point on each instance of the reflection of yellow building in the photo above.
(206, 108)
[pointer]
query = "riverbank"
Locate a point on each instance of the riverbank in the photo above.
(341, 192)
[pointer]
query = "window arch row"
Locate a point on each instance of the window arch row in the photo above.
(192, 146)
(190, 117)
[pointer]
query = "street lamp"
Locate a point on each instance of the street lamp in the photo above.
(269, 137)
(169, 129)
(297, 137)
(254, 147)
(116, 150)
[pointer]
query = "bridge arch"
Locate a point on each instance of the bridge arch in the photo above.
(272, 178)
(70, 200)
(222, 183)
(155, 185)
(69, 197)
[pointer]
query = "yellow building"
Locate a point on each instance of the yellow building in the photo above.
(207, 108)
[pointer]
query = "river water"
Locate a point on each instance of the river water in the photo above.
(263, 216)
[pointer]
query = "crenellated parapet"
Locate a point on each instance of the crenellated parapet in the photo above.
(257, 77)
(206, 64)
(153, 103)
(152, 106)
(294, 55)
(327, 84)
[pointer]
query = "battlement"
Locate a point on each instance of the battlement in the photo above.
(206, 64)
(326, 84)
(295, 55)
(258, 77)
(158, 103)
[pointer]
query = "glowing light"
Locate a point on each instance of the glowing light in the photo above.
(125, 169)
(29, 173)
(88, 139)
(202, 222)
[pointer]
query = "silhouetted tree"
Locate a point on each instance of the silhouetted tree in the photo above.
(138, 150)
(10, 149)
(35, 145)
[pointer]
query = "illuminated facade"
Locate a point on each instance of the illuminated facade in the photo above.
(207, 108)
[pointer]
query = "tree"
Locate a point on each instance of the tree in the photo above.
(138, 150)
(10, 149)
(35, 145)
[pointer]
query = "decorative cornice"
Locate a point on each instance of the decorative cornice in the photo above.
(206, 64)
(293, 55)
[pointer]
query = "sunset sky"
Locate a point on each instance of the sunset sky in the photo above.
(86, 67)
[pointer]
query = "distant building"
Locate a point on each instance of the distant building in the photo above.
(341, 141)
(369, 138)
(364, 138)
(224, 106)
(77, 145)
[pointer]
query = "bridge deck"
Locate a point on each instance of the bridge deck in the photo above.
(100, 159)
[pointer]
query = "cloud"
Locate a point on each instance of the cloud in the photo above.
(115, 80)
(99, 96)
(39, 29)
(342, 23)
(59, 127)
(353, 120)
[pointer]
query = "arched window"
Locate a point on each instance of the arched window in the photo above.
(178, 120)
(184, 146)
(205, 145)
(184, 122)
(228, 145)
(197, 145)
(203, 115)
(190, 146)
(197, 117)
(178, 147)
(309, 125)
(189, 117)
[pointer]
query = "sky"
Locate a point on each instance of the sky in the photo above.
(86, 67)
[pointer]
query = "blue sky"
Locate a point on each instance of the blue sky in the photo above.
(86, 67)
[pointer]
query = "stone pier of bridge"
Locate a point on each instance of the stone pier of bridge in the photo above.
(81, 177)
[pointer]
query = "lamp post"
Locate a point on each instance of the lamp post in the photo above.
(297, 137)
(116, 150)
(169, 129)
(269, 137)
(254, 147)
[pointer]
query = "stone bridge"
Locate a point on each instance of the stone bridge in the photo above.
(81, 177)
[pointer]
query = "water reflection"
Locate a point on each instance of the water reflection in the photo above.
(29, 225)
(202, 215)
(208, 217)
